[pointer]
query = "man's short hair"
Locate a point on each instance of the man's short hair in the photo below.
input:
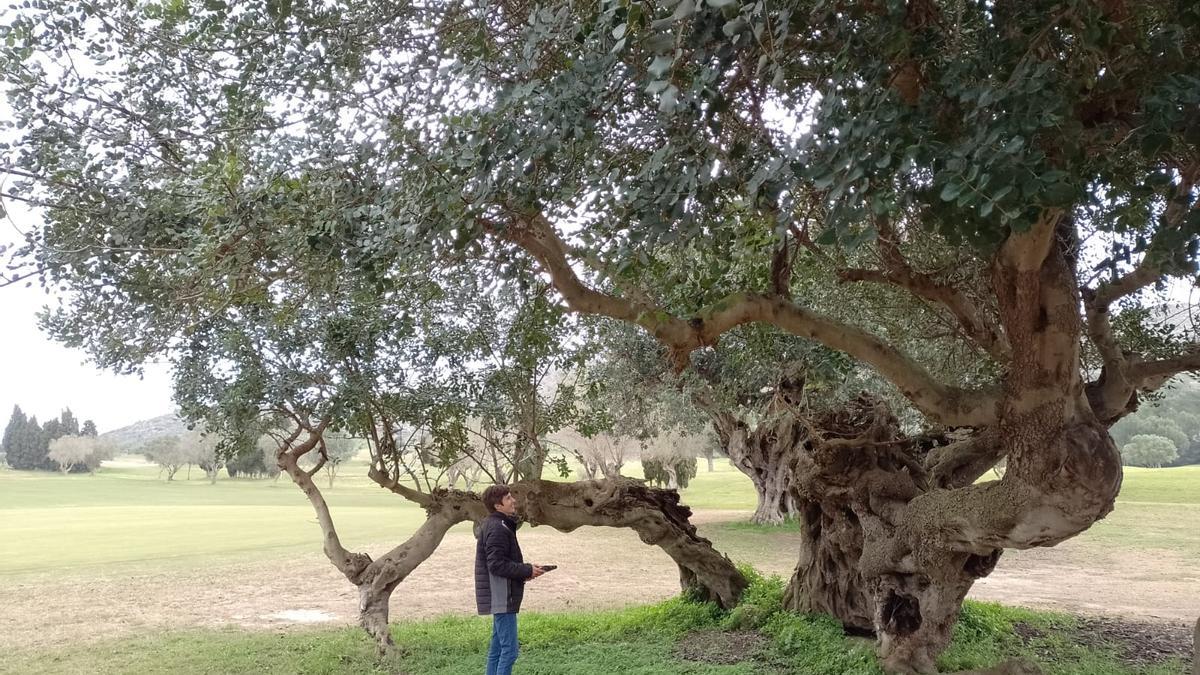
(493, 495)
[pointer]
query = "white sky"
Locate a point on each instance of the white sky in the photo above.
(43, 377)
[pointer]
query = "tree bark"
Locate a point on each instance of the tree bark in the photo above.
(655, 514)
(375, 579)
(854, 472)
(826, 579)
(765, 459)
(373, 606)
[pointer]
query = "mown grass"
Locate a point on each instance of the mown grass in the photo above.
(127, 518)
(120, 518)
(639, 640)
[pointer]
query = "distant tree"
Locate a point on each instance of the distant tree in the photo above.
(248, 463)
(68, 424)
(72, 453)
(1151, 425)
(169, 453)
(1149, 451)
(13, 434)
(670, 458)
(203, 448)
(601, 455)
(674, 473)
(88, 429)
(338, 449)
(29, 446)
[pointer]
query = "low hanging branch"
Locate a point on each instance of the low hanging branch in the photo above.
(655, 514)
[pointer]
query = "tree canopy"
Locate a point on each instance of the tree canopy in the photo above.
(981, 203)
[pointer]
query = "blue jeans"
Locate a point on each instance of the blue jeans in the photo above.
(503, 651)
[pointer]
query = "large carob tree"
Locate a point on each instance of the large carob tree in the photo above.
(1026, 172)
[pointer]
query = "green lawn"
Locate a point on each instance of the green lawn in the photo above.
(125, 517)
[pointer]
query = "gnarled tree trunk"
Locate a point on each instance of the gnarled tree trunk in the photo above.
(655, 514)
(765, 450)
(931, 533)
(375, 579)
(826, 579)
(766, 461)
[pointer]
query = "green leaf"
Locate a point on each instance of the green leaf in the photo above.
(1059, 194)
(951, 190)
(668, 99)
(1014, 146)
(828, 237)
(660, 66)
(659, 42)
(719, 4)
(619, 31)
(1155, 144)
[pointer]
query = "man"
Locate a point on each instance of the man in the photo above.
(500, 576)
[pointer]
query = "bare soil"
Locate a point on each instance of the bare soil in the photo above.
(598, 568)
(722, 647)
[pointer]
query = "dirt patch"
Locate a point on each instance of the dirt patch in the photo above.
(1137, 643)
(1077, 577)
(721, 647)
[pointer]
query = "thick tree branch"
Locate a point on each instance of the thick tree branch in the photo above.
(1119, 381)
(975, 324)
(1026, 251)
(1153, 374)
(349, 564)
(962, 462)
(944, 404)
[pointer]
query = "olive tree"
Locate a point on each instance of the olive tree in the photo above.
(78, 453)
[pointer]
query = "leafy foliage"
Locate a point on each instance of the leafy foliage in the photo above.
(1149, 450)
(671, 472)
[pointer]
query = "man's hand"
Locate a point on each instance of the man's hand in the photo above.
(537, 572)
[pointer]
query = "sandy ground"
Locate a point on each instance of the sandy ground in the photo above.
(599, 568)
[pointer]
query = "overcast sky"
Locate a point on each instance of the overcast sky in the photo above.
(43, 377)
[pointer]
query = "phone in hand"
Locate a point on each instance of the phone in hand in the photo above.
(547, 568)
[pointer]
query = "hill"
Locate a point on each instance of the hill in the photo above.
(134, 436)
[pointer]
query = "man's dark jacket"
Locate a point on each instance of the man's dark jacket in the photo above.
(500, 571)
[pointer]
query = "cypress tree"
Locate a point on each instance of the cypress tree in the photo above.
(68, 424)
(12, 434)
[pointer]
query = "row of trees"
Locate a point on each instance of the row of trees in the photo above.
(62, 443)
(397, 221)
(239, 457)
